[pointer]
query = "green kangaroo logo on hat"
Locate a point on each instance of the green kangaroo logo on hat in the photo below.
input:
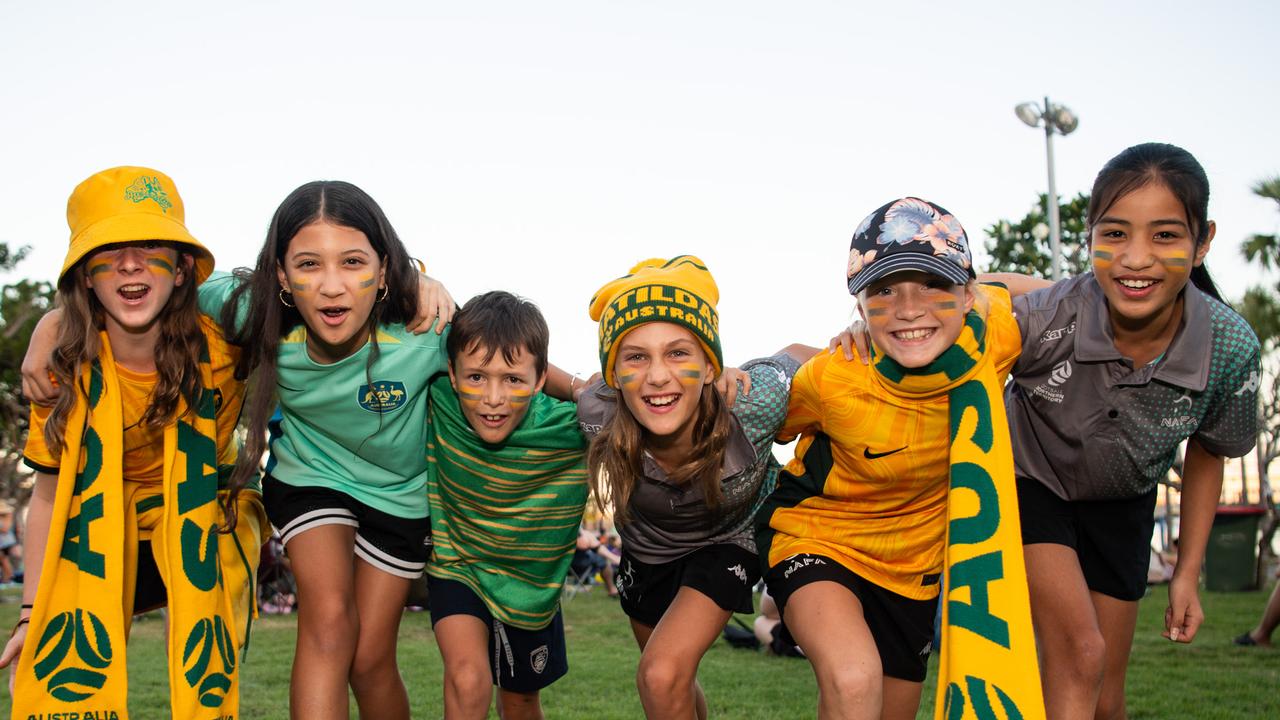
(148, 188)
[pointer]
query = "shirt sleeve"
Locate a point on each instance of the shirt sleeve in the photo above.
(1003, 328)
(804, 408)
(36, 455)
(596, 406)
(1230, 428)
(764, 409)
(215, 293)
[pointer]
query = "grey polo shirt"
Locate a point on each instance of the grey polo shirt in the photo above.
(669, 521)
(1090, 426)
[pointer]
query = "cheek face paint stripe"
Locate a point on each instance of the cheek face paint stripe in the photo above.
(877, 312)
(299, 286)
(471, 398)
(99, 269)
(160, 264)
(1176, 260)
(629, 380)
(367, 283)
(519, 398)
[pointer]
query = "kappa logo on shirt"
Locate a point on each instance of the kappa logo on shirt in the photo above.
(382, 397)
(1049, 390)
(1250, 385)
(1057, 333)
(740, 572)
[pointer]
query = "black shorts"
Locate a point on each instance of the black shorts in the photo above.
(1112, 538)
(723, 572)
(394, 545)
(901, 627)
(520, 660)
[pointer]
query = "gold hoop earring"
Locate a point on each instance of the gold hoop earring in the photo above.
(285, 302)
(383, 296)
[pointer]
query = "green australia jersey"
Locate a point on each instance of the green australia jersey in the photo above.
(504, 517)
(347, 426)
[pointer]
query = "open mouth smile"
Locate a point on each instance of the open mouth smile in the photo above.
(913, 335)
(133, 293)
(334, 316)
(662, 403)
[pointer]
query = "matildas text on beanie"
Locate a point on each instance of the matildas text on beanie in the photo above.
(129, 204)
(680, 290)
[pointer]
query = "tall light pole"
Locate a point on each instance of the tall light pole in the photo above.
(1060, 118)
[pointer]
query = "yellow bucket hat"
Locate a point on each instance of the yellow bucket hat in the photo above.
(680, 290)
(127, 204)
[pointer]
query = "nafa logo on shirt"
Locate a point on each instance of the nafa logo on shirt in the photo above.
(383, 396)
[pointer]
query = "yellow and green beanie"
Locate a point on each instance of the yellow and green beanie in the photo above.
(680, 290)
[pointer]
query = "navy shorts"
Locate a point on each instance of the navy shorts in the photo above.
(725, 572)
(901, 627)
(520, 660)
(1112, 538)
(395, 545)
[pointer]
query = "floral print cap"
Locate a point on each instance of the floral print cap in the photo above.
(909, 234)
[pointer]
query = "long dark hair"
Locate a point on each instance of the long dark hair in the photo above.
(1168, 165)
(177, 352)
(268, 320)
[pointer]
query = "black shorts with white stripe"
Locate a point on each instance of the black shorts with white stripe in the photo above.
(395, 545)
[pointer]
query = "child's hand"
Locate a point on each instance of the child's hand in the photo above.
(851, 339)
(1183, 617)
(12, 651)
(38, 384)
(727, 384)
(435, 305)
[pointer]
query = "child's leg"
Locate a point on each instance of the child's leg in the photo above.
(375, 676)
(1261, 634)
(901, 699)
(468, 680)
(826, 620)
(667, 677)
(514, 705)
(1117, 620)
(327, 621)
(1071, 645)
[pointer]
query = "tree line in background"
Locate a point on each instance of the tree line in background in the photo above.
(1012, 246)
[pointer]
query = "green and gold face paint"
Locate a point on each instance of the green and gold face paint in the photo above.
(946, 307)
(100, 269)
(519, 398)
(1103, 255)
(689, 373)
(366, 284)
(1175, 260)
(629, 381)
(160, 266)
(470, 398)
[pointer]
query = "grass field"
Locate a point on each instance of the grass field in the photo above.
(1209, 679)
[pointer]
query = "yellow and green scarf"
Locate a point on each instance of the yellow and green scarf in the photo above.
(73, 663)
(988, 646)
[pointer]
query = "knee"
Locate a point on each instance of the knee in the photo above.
(1088, 651)
(468, 682)
(849, 683)
(1110, 706)
(329, 626)
(662, 678)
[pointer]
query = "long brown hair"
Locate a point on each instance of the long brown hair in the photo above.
(177, 352)
(615, 457)
(268, 320)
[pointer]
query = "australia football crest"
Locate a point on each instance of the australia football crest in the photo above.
(383, 396)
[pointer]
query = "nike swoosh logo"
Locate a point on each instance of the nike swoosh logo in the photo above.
(866, 453)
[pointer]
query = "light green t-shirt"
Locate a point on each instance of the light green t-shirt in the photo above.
(345, 426)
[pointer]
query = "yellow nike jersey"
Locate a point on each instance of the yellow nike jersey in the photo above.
(868, 484)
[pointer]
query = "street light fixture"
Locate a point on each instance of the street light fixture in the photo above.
(1052, 117)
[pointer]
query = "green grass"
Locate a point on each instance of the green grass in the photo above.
(1208, 679)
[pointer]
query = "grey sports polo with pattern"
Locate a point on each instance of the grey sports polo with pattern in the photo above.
(1090, 426)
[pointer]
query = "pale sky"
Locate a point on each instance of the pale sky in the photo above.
(543, 148)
